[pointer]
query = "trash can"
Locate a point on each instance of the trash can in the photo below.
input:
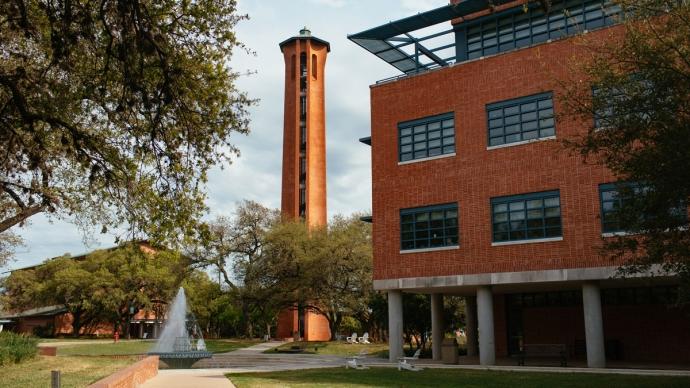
(449, 351)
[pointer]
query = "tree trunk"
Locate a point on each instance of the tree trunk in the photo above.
(249, 327)
(76, 323)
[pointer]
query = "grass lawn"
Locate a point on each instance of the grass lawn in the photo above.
(140, 347)
(76, 371)
(391, 377)
(335, 348)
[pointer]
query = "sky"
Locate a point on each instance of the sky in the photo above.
(255, 174)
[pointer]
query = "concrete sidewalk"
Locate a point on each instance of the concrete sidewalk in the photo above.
(189, 378)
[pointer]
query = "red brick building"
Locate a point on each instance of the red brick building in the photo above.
(303, 194)
(474, 195)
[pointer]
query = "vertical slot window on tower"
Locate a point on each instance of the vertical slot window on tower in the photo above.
(302, 168)
(303, 137)
(426, 137)
(303, 107)
(302, 201)
(314, 71)
(303, 72)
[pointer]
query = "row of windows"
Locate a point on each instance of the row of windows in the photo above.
(516, 28)
(514, 218)
(510, 121)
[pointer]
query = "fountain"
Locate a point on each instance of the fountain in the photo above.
(181, 344)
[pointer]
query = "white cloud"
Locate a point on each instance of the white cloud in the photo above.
(422, 5)
(330, 3)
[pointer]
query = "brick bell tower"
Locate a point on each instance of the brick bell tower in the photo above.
(303, 192)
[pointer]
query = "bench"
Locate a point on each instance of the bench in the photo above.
(543, 351)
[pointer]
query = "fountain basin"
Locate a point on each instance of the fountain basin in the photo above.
(181, 360)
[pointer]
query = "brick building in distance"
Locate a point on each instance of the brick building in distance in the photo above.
(474, 195)
(303, 194)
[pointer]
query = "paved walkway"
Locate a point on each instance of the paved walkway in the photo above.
(189, 378)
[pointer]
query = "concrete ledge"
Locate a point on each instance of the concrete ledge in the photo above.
(131, 377)
(506, 278)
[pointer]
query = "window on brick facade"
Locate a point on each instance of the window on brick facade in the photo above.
(613, 196)
(515, 28)
(521, 119)
(526, 216)
(615, 108)
(429, 227)
(426, 137)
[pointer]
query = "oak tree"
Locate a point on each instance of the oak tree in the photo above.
(632, 92)
(113, 111)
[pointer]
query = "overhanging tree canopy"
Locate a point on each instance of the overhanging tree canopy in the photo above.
(637, 104)
(112, 111)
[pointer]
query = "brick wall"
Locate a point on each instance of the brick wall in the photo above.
(131, 377)
(316, 327)
(646, 333)
(476, 174)
(656, 333)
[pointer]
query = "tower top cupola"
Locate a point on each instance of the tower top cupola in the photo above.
(305, 34)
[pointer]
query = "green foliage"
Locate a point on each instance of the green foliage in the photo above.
(8, 242)
(105, 286)
(16, 348)
(641, 82)
(114, 111)
(351, 325)
(268, 264)
(235, 247)
(214, 309)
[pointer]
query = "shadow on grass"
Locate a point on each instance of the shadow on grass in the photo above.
(391, 377)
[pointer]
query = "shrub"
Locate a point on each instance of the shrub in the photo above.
(15, 348)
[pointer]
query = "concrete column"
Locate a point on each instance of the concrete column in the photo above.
(594, 325)
(436, 325)
(485, 316)
(471, 327)
(395, 325)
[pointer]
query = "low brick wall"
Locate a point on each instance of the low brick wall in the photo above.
(47, 350)
(132, 376)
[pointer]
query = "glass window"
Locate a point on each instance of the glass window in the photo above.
(527, 216)
(520, 119)
(613, 196)
(519, 29)
(429, 227)
(430, 136)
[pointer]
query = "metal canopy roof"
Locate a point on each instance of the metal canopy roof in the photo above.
(394, 44)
